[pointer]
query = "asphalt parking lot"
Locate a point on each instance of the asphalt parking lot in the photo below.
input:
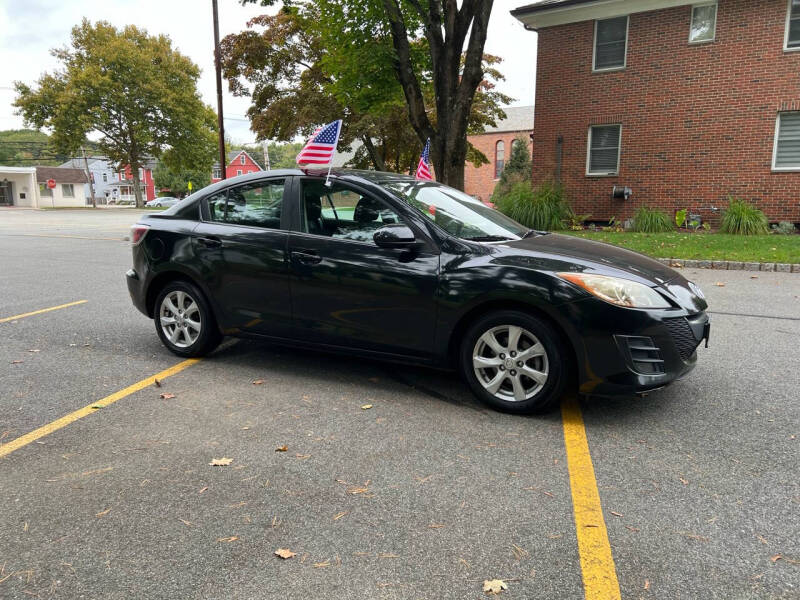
(424, 495)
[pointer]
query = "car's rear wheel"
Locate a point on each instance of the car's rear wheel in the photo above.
(514, 362)
(184, 320)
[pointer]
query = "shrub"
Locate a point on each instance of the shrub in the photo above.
(742, 218)
(784, 228)
(542, 208)
(648, 220)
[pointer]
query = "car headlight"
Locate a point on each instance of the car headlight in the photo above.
(622, 292)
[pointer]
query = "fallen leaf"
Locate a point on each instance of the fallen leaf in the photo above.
(283, 448)
(202, 490)
(435, 525)
(245, 428)
(157, 382)
(719, 284)
(647, 584)
(103, 513)
(34, 350)
(519, 553)
(683, 481)
(302, 456)
(220, 462)
(258, 382)
(616, 514)
(494, 586)
(16, 362)
(228, 540)
(775, 558)
(187, 523)
(322, 564)
(753, 276)
(340, 515)
(388, 555)
(631, 528)
(285, 553)
(166, 396)
(366, 406)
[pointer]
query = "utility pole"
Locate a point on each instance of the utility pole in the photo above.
(217, 66)
(89, 177)
(266, 155)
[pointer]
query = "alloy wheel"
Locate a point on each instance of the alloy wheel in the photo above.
(510, 363)
(179, 316)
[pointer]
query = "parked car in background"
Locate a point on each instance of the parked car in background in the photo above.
(387, 266)
(165, 201)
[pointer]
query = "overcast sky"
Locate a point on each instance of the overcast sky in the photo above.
(30, 28)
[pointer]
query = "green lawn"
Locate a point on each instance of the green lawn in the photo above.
(704, 246)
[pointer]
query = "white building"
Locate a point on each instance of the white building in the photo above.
(27, 186)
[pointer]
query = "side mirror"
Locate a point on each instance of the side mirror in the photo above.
(394, 235)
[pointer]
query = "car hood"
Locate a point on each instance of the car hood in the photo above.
(602, 258)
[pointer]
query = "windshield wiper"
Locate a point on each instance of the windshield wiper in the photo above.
(489, 238)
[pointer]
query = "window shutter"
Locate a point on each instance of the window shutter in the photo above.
(604, 151)
(788, 147)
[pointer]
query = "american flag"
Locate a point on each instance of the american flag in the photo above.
(424, 166)
(320, 148)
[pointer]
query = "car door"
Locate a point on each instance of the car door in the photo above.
(242, 247)
(346, 291)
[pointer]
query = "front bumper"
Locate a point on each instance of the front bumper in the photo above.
(626, 352)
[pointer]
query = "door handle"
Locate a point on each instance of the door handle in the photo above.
(209, 241)
(307, 257)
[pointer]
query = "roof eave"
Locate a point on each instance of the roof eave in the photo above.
(536, 16)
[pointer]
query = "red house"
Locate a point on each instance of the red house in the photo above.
(239, 163)
(686, 103)
(145, 178)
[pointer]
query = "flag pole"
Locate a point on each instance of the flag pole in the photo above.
(330, 166)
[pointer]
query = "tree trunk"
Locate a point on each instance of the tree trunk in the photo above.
(373, 154)
(137, 190)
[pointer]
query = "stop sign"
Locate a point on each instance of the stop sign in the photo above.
(51, 183)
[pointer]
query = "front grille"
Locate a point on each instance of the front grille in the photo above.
(683, 336)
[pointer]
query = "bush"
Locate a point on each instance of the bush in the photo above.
(543, 208)
(648, 220)
(742, 218)
(784, 228)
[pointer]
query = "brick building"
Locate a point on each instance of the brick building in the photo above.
(685, 103)
(495, 143)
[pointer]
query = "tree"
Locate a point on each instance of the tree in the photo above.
(134, 90)
(365, 58)
(518, 167)
(177, 182)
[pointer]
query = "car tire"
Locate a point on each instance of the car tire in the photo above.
(514, 362)
(184, 320)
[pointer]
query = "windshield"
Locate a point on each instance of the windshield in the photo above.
(455, 212)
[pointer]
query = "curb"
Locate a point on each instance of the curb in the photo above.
(729, 265)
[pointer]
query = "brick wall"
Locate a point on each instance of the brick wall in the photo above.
(480, 181)
(698, 121)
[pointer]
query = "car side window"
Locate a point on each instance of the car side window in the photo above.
(256, 204)
(343, 213)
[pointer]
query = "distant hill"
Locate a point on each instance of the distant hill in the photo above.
(27, 148)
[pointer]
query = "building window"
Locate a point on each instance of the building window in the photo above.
(499, 158)
(238, 171)
(105, 177)
(704, 23)
(141, 174)
(122, 175)
(786, 155)
(604, 149)
(217, 174)
(792, 38)
(610, 43)
(241, 159)
(67, 190)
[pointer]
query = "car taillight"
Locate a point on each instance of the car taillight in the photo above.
(137, 233)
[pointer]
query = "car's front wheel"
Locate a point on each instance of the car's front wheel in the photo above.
(514, 362)
(184, 320)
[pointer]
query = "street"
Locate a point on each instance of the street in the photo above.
(394, 481)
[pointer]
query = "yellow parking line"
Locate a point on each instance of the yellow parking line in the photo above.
(34, 435)
(43, 310)
(597, 564)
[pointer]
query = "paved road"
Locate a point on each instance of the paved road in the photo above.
(424, 495)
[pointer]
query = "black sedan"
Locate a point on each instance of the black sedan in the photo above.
(386, 266)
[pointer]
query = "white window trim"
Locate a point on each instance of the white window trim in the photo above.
(242, 159)
(786, 32)
(238, 172)
(64, 189)
(691, 22)
(589, 173)
(625, 56)
(776, 169)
